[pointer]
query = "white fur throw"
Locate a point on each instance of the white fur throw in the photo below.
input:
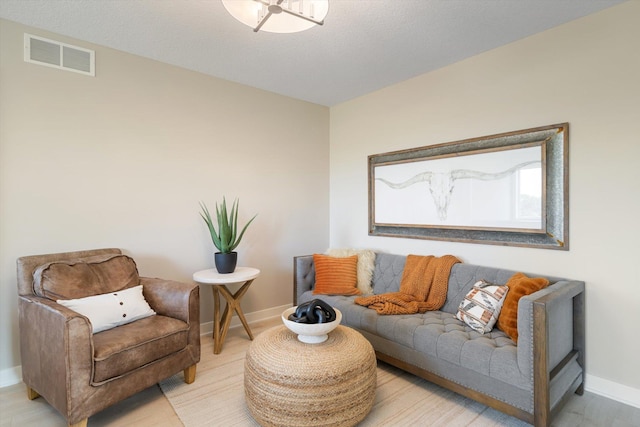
(366, 263)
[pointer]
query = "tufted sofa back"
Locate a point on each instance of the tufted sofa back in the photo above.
(388, 273)
(389, 267)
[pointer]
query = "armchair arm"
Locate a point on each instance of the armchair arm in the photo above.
(54, 343)
(172, 299)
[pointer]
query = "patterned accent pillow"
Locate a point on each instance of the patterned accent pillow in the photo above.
(481, 307)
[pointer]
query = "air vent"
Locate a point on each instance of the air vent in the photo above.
(55, 54)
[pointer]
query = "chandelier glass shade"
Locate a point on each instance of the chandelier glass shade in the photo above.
(278, 16)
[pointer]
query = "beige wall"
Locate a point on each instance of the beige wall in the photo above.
(586, 73)
(122, 160)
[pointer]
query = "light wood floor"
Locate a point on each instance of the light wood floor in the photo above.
(151, 408)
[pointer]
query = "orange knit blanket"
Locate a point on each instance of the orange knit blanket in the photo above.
(423, 287)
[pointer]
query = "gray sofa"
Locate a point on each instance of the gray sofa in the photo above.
(530, 380)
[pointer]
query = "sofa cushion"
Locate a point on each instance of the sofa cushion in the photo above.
(336, 276)
(441, 335)
(437, 334)
(107, 311)
(493, 354)
(125, 348)
(480, 308)
(72, 279)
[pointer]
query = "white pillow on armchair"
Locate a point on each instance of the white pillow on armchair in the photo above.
(107, 311)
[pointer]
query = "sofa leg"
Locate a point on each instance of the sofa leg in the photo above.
(190, 374)
(32, 394)
(82, 423)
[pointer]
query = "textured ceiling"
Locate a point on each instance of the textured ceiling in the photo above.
(364, 45)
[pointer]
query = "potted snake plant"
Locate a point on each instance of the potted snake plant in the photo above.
(226, 238)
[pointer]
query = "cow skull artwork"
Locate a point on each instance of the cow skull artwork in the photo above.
(441, 184)
(507, 189)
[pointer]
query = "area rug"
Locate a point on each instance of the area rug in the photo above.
(217, 396)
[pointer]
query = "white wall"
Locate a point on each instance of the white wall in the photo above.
(587, 73)
(122, 160)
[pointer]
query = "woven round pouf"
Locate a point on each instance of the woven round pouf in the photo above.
(290, 383)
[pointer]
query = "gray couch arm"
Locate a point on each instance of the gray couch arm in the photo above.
(556, 304)
(551, 337)
(304, 276)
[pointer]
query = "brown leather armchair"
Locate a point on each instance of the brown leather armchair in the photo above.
(80, 372)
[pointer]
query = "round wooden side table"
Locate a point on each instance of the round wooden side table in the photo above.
(219, 283)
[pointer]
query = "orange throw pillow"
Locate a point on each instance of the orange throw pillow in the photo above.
(519, 285)
(336, 276)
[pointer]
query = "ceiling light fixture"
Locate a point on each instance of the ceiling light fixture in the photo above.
(278, 16)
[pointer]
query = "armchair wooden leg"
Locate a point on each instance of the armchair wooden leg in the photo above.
(32, 394)
(82, 423)
(190, 374)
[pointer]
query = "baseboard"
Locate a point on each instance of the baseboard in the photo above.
(612, 390)
(10, 376)
(256, 316)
